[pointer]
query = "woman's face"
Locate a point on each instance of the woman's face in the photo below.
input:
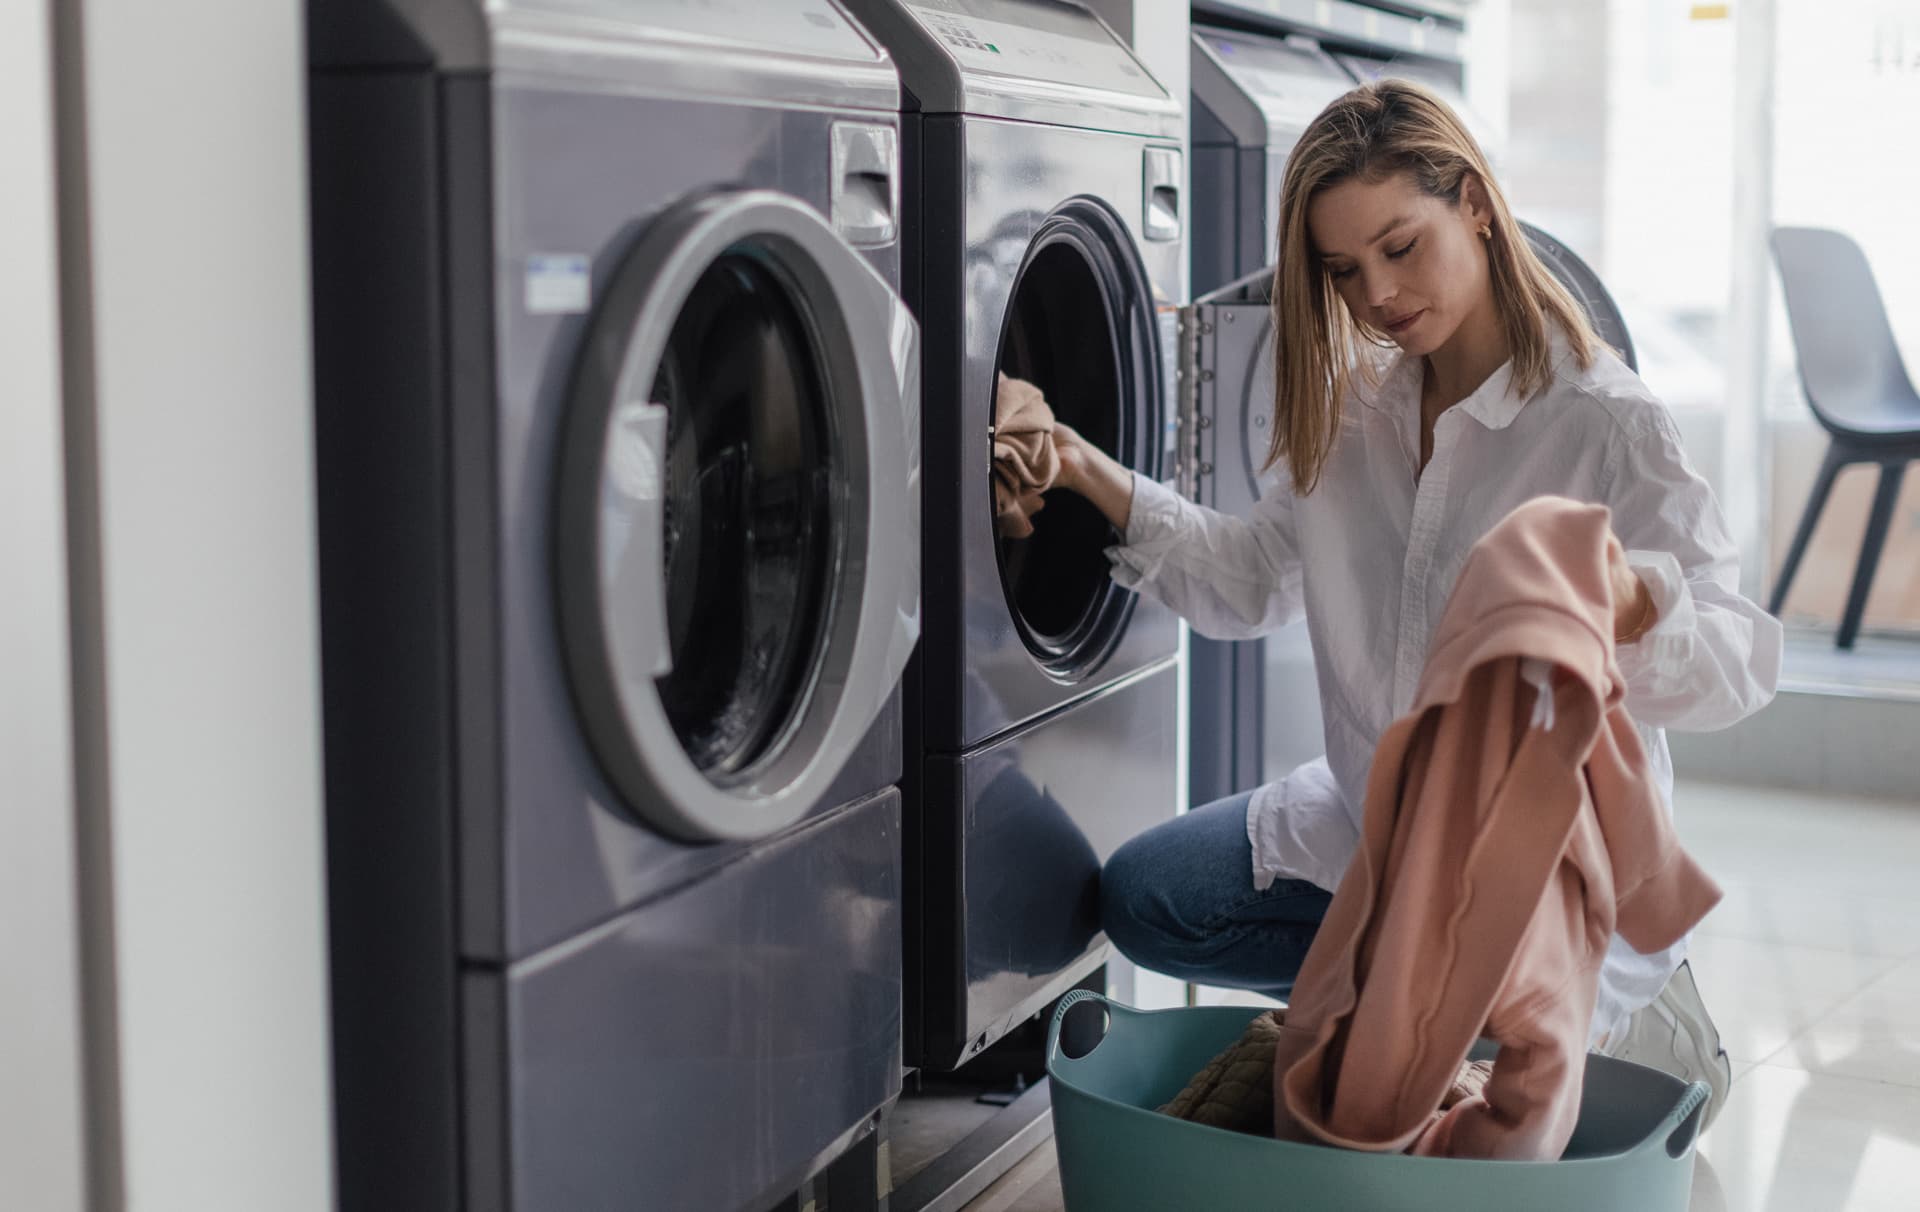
(1411, 265)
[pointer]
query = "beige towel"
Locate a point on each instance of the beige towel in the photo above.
(1025, 464)
(1235, 1090)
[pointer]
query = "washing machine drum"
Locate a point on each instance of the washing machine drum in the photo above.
(738, 519)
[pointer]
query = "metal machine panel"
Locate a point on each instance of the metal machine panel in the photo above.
(629, 1091)
(1030, 818)
(1049, 61)
(1385, 28)
(806, 53)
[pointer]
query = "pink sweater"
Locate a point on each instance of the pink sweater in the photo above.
(1504, 841)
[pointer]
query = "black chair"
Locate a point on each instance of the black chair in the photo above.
(1857, 386)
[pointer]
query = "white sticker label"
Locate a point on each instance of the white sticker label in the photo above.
(558, 284)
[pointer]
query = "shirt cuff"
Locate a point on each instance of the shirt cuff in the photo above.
(1153, 531)
(1666, 648)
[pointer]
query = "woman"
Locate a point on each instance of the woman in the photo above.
(1430, 376)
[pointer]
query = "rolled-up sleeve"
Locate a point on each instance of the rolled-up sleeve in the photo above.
(1231, 578)
(1713, 656)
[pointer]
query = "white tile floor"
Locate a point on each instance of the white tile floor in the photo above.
(1811, 968)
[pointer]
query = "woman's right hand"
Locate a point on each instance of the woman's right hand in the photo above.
(1075, 456)
(1094, 474)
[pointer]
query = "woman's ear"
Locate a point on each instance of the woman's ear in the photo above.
(1475, 206)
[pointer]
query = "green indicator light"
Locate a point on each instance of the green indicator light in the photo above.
(993, 48)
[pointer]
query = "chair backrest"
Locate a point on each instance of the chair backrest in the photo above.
(1849, 364)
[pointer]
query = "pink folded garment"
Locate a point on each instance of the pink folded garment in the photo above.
(1511, 826)
(1025, 463)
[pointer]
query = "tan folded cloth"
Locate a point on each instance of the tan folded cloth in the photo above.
(1235, 1090)
(1025, 463)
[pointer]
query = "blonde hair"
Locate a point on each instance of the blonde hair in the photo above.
(1377, 130)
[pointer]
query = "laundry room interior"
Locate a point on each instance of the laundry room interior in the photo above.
(961, 605)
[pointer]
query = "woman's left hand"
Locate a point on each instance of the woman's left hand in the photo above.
(1633, 606)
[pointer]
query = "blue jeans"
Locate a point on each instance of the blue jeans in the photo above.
(1179, 899)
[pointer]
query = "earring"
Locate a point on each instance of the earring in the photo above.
(1486, 231)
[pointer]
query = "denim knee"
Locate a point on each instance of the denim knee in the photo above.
(1128, 898)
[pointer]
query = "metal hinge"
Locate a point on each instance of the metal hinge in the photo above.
(1193, 327)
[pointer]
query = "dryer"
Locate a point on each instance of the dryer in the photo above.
(1044, 238)
(616, 418)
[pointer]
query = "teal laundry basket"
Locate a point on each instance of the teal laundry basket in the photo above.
(1632, 1149)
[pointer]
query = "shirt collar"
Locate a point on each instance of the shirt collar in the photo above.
(1494, 403)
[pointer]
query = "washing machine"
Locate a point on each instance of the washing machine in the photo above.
(1044, 238)
(1254, 703)
(1253, 96)
(616, 412)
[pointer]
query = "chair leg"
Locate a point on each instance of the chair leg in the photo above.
(1877, 525)
(1816, 503)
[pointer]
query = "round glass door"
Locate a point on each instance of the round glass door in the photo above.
(736, 524)
(1079, 327)
(749, 536)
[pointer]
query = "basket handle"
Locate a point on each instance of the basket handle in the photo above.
(1073, 998)
(1678, 1128)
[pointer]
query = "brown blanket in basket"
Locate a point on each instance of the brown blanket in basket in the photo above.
(1235, 1090)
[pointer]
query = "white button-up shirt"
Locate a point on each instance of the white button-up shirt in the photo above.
(1370, 557)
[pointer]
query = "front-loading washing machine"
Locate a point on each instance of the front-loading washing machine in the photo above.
(1253, 96)
(616, 410)
(1044, 239)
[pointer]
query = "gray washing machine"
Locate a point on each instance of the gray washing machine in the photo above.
(1246, 695)
(1253, 96)
(1044, 239)
(616, 430)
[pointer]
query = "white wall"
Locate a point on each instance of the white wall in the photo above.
(43, 1152)
(205, 619)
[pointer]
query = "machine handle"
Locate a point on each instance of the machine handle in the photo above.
(866, 178)
(632, 539)
(1161, 193)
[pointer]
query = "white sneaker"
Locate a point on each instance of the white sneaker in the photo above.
(1674, 1035)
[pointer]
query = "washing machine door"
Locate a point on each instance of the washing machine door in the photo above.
(1080, 326)
(737, 526)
